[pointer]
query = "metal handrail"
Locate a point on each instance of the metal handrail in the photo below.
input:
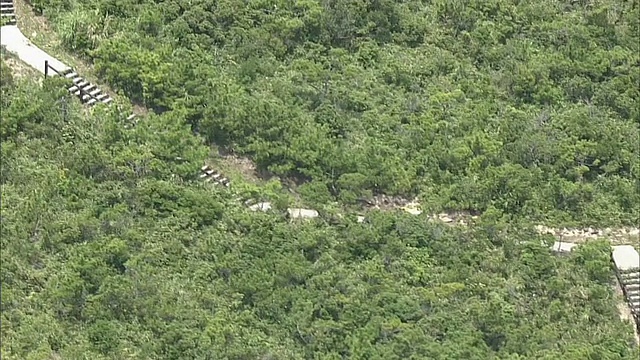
(46, 73)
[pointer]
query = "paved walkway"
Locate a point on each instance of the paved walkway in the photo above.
(15, 42)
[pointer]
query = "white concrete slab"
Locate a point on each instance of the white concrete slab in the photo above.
(302, 213)
(263, 206)
(563, 246)
(626, 257)
(15, 42)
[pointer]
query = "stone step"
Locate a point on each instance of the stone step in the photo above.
(92, 102)
(84, 93)
(70, 75)
(107, 100)
(632, 287)
(630, 275)
(632, 292)
(630, 282)
(88, 88)
(7, 10)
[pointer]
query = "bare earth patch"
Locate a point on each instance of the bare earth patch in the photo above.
(21, 70)
(244, 165)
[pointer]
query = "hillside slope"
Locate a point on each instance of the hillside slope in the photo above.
(113, 249)
(526, 108)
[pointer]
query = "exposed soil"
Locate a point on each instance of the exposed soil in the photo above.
(21, 70)
(244, 166)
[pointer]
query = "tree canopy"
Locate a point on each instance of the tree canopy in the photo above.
(522, 112)
(468, 105)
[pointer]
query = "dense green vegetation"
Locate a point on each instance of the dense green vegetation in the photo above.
(524, 107)
(111, 250)
(522, 111)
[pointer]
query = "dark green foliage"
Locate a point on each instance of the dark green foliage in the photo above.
(107, 255)
(521, 111)
(445, 100)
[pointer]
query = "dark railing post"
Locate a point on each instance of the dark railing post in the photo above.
(46, 68)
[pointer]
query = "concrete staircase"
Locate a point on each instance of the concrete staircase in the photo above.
(627, 262)
(630, 281)
(210, 175)
(88, 93)
(7, 12)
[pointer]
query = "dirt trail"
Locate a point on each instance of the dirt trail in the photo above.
(618, 236)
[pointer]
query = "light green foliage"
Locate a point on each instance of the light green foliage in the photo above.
(398, 98)
(113, 249)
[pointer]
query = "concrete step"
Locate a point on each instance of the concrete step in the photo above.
(101, 97)
(92, 102)
(632, 287)
(7, 10)
(70, 75)
(630, 281)
(76, 89)
(107, 100)
(630, 278)
(88, 88)
(632, 292)
(630, 275)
